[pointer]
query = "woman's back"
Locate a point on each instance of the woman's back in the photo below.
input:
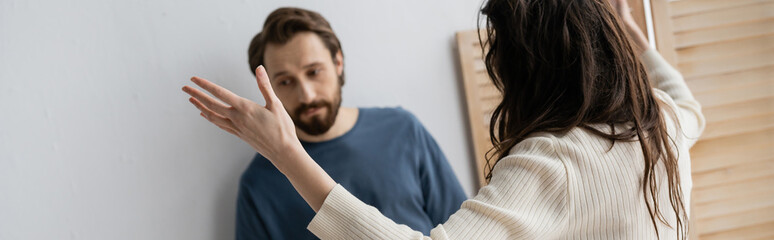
(580, 178)
(556, 186)
(576, 185)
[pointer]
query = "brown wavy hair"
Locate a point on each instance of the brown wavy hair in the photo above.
(284, 23)
(562, 64)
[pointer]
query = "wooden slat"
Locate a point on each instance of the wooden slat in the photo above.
(720, 34)
(740, 110)
(719, 146)
(482, 79)
(760, 231)
(728, 157)
(740, 126)
(724, 17)
(726, 49)
(488, 90)
(685, 7)
(489, 105)
(733, 205)
(477, 86)
(736, 95)
(730, 151)
(724, 82)
(734, 174)
(737, 220)
(479, 66)
(665, 39)
(727, 65)
(750, 188)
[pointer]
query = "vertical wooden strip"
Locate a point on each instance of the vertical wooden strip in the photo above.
(662, 21)
(470, 57)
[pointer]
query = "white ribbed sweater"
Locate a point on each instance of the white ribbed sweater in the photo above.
(551, 186)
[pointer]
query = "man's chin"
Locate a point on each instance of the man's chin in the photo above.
(318, 116)
(313, 130)
(313, 126)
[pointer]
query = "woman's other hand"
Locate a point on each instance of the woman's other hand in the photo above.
(640, 40)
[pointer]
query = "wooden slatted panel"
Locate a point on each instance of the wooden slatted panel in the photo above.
(480, 94)
(680, 8)
(734, 174)
(725, 50)
(756, 232)
(724, 33)
(723, 17)
(760, 231)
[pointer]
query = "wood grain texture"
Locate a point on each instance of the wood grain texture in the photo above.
(480, 96)
(725, 50)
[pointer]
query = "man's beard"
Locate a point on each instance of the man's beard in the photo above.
(317, 124)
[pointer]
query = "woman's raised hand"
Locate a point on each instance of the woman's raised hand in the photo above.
(624, 12)
(622, 8)
(268, 129)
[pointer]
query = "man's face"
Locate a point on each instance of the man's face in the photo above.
(306, 80)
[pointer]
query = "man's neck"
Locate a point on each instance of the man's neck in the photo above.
(344, 122)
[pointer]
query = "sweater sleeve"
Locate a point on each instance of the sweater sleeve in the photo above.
(526, 199)
(666, 78)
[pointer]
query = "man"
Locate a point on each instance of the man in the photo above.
(384, 156)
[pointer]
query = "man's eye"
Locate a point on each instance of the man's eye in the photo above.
(284, 82)
(314, 72)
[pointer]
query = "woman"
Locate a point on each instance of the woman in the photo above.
(584, 147)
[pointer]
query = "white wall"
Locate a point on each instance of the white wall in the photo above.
(98, 142)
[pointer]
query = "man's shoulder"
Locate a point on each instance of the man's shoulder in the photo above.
(389, 115)
(257, 172)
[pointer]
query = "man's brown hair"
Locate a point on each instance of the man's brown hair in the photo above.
(284, 23)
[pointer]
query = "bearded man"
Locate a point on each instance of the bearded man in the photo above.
(384, 156)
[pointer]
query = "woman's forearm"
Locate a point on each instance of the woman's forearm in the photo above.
(307, 177)
(639, 40)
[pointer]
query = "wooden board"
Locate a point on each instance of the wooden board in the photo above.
(480, 94)
(725, 50)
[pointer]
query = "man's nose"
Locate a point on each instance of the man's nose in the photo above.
(306, 93)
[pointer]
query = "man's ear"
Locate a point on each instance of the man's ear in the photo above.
(339, 63)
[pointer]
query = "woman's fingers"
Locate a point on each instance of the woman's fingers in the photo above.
(219, 92)
(231, 130)
(208, 101)
(206, 111)
(220, 121)
(215, 118)
(265, 86)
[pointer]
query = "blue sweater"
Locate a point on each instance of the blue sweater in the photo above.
(388, 160)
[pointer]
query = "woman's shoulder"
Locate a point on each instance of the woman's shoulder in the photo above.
(554, 144)
(577, 144)
(537, 154)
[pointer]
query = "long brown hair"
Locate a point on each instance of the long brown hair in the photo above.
(561, 64)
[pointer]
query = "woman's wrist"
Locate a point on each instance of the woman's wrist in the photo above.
(639, 39)
(306, 176)
(291, 154)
